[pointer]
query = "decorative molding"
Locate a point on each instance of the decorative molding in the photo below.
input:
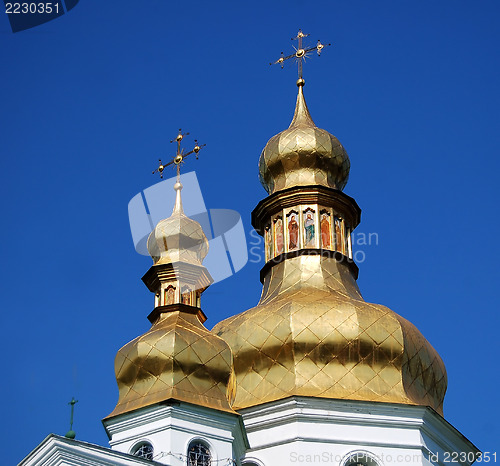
(357, 415)
(167, 411)
(159, 310)
(297, 195)
(56, 450)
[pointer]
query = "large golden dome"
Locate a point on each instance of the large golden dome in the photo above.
(303, 155)
(312, 334)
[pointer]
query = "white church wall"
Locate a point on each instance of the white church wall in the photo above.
(301, 430)
(170, 429)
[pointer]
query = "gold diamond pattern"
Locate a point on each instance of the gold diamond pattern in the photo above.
(303, 155)
(319, 338)
(177, 238)
(177, 358)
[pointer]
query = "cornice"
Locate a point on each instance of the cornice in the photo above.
(178, 307)
(315, 194)
(190, 273)
(166, 411)
(356, 413)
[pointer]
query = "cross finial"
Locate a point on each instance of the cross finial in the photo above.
(71, 432)
(301, 53)
(179, 156)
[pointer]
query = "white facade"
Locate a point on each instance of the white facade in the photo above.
(172, 427)
(60, 451)
(293, 431)
(302, 430)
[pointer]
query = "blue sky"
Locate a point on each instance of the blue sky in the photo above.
(90, 101)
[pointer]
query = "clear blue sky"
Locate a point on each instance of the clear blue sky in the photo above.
(89, 101)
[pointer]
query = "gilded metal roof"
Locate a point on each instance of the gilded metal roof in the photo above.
(303, 155)
(312, 334)
(178, 237)
(178, 358)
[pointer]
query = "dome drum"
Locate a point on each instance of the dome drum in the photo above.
(177, 282)
(307, 226)
(345, 205)
(308, 219)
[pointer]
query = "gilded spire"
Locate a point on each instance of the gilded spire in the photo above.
(301, 117)
(178, 200)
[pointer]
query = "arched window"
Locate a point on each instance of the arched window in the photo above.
(360, 458)
(143, 450)
(199, 454)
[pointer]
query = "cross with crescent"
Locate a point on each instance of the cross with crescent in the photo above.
(301, 52)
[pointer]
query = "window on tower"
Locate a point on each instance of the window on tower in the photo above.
(143, 450)
(199, 454)
(360, 458)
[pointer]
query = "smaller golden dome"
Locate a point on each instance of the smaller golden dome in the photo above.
(178, 358)
(178, 238)
(303, 155)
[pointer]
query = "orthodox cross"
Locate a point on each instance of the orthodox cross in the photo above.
(300, 52)
(179, 156)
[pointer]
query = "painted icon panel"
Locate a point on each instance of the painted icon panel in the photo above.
(309, 228)
(278, 236)
(293, 230)
(326, 229)
(339, 237)
(170, 295)
(268, 242)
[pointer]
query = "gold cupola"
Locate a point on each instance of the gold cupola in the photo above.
(312, 333)
(303, 154)
(177, 238)
(177, 358)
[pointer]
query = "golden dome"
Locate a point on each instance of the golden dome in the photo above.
(177, 238)
(178, 358)
(303, 155)
(312, 334)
